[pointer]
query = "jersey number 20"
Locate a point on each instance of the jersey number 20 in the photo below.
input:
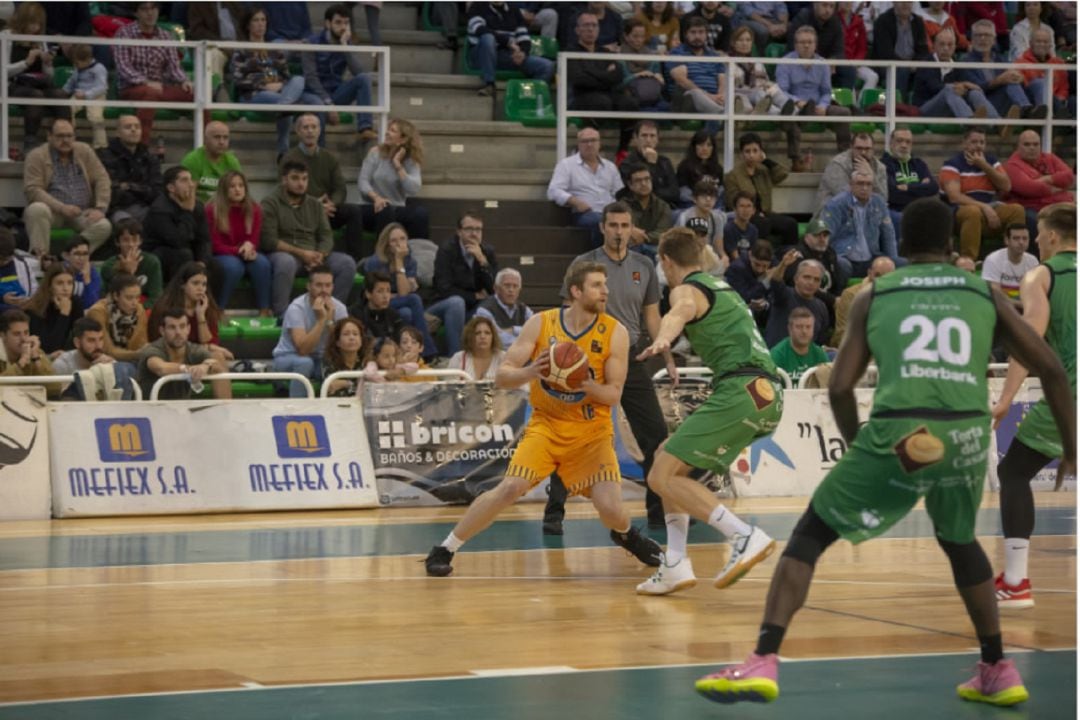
(946, 341)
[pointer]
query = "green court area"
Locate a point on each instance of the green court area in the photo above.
(893, 688)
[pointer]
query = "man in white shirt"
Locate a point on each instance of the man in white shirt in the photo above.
(1005, 268)
(586, 183)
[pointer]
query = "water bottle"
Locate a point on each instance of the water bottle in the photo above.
(196, 385)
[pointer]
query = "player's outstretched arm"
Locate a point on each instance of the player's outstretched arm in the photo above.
(1023, 344)
(516, 368)
(1034, 298)
(849, 366)
(683, 310)
(610, 392)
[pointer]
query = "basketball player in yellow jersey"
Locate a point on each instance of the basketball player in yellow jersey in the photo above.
(570, 430)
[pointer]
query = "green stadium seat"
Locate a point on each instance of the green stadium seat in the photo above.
(529, 102)
(249, 328)
(866, 99)
(545, 47)
(300, 283)
(774, 50)
(59, 239)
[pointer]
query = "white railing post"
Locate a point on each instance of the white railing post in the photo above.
(890, 102)
(201, 91)
(729, 110)
(1048, 123)
(560, 109)
(5, 120)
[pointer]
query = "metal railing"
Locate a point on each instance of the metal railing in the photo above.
(248, 377)
(58, 380)
(202, 95)
(890, 119)
(704, 372)
(436, 375)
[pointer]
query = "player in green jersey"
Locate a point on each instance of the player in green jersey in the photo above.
(930, 327)
(1048, 294)
(745, 404)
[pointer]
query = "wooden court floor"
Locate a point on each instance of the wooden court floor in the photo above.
(328, 615)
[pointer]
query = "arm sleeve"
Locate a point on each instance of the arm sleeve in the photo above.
(268, 241)
(412, 181)
(557, 191)
(101, 83)
(324, 236)
(367, 170)
(338, 190)
(311, 76)
(888, 234)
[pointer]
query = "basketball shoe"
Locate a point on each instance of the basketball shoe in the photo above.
(753, 681)
(643, 548)
(746, 552)
(1013, 596)
(669, 578)
(997, 684)
(437, 562)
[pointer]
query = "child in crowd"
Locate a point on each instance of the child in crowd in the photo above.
(386, 360)
(90, 81)
(703, 217)
(410, 351)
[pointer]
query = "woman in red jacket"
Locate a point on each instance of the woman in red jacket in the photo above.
(235, 222)
(855, 47)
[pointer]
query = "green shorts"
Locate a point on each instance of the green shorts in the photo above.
(894, 462)
(1039, 431)
(741, 409)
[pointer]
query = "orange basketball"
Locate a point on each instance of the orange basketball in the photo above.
(569, 366)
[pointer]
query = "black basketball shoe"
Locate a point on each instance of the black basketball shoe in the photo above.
(438, 562)
(643, 548)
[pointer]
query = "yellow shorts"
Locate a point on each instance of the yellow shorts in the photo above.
(581, 462)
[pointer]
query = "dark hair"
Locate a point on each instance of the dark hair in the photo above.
(468, 334)
(337, 10)
(128, 225)
(970, 129)
(173, 296)
(762, 250)
(412, 332)
(81, 53)
(681, 246)
(618, 207)
(630, 24)
(7, 241)
(750, 138)
(293, 165)
(863, 134)
(1014, 226)
(695, 166)
(75, 242)
(38, 303)
(332, 357)
(1061, 218)
(121, 282)
(743, 195)
(172, 312)
(705, 187)
(469, 213)
(10, 317)
(374, 278)
(645, 123)
(632, 168)
(691, 22)
(248, 16)
(926, 227)
(320, 269)
(170, 176)
(84, 325)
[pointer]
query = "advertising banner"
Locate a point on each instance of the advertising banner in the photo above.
(198, 456)
(24, 453)
(1026, 397)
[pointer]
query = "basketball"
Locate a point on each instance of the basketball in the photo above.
(569, 366)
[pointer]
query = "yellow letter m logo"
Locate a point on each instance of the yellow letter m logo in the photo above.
(124, 439)
(301, 436)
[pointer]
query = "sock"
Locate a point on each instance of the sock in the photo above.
(990, 648)
(1016, 560)
(625, 530)
(728, 522)
(770, 637)
(452, 542)
(678, 525)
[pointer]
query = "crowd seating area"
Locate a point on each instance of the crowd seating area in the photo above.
(486, 147)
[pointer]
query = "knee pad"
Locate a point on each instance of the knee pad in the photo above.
(810, 538)
(970, 566)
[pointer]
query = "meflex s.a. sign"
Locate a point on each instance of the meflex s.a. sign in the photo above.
(301, 436)
(124, 439)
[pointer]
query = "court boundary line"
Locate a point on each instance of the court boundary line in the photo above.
(490, 674)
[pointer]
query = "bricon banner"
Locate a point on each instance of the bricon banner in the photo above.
(198, 456)
(24, 454)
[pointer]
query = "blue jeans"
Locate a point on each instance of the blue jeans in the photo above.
(486, 56)
(286, 267)
(451, 311)
(355, 91)
(590, 221)
(290, 94)
(233, 269)
(1005, 96)
(948, 104)
(306, 365)
(411, 309)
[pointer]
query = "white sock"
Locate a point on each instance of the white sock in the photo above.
(1016, 560)
(678, 525)
(728, 522)
(452, 542)
(626, 529)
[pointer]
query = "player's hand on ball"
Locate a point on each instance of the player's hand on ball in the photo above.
(541, 366)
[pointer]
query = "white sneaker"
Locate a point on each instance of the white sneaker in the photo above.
(669, 578)
(746, 552)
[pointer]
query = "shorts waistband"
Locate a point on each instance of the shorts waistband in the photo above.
(930, 414)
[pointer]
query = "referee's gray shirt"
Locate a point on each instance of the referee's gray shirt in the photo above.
(631, 286)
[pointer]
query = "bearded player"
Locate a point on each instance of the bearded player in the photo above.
(570, 430)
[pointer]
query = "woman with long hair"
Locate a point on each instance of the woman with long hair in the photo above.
(392, 257)
(121, 314)
(30, 72)
(347, 348)
(661, 25)
(699, 163)
(262, 76)
(481, 350)
(53, 310)
(752, 83)
(188, 290)
(235, 222)
(389, 176)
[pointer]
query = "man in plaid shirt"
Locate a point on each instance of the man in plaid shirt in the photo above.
(149, 72)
